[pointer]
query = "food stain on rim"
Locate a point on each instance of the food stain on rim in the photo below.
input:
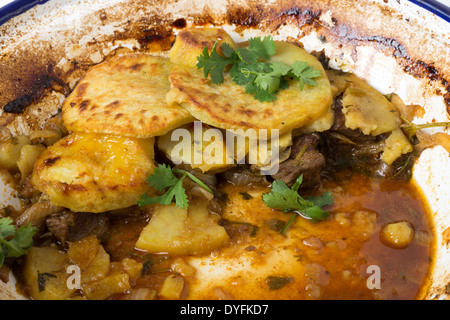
(157, 33)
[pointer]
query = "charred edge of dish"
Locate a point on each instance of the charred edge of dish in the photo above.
(417, 68)
(307, 15)
(345, 34)
(36, 93)
(160, 34)
(179, 23)
(163, 37)
(246, 17)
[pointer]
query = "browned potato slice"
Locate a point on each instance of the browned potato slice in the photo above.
(189, 44)
(95, 172)
(228, 106)
(125, 96)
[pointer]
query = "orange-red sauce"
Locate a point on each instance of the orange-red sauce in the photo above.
(334, 254)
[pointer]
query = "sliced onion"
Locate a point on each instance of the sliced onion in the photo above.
(37, 213)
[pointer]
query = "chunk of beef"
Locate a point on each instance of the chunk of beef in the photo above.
(305, 159)
(243, 176)
(355, 136)
(73, 226)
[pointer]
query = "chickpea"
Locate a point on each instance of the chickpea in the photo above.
(397, 235)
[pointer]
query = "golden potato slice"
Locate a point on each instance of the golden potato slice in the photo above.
(227, 106)
(88, 172)
(189, 44)
(124, 96)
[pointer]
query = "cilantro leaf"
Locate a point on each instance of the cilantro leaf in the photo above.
(14, 243)
(279, 69)
(324, 200)
(284, 198)
(162, 178)
(304, 73)
(251, 67)
(240, 77)
(228, 51)
(288, 199)
(213, 64)
(247, 56)
(259, 94)
(176, 191)
(264, 48)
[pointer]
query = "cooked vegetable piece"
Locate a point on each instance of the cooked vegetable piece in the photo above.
(98, 268)
(397, 234)
(172, 287)
(190, 43)
(132, 267)
(407, 112)
(37, 213)
(84, 251)
(395, 145)
(211, 155)
(45, 274)
(137, 294)
(430, 140)
(266, 153)
(10, 151)
(181, 232)
(182, 267)
(106, 287)
(368, 110)
(28, 155)
(88, 172)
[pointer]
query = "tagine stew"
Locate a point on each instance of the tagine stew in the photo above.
(116, 207)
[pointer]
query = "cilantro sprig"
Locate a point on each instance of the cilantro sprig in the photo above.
(282, 197)
(164, 178)
(14, 242)
(250, 68)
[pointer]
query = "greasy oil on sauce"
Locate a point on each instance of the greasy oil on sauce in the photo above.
(330, 259)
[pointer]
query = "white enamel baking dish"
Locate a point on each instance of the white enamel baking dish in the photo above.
(395, 45)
